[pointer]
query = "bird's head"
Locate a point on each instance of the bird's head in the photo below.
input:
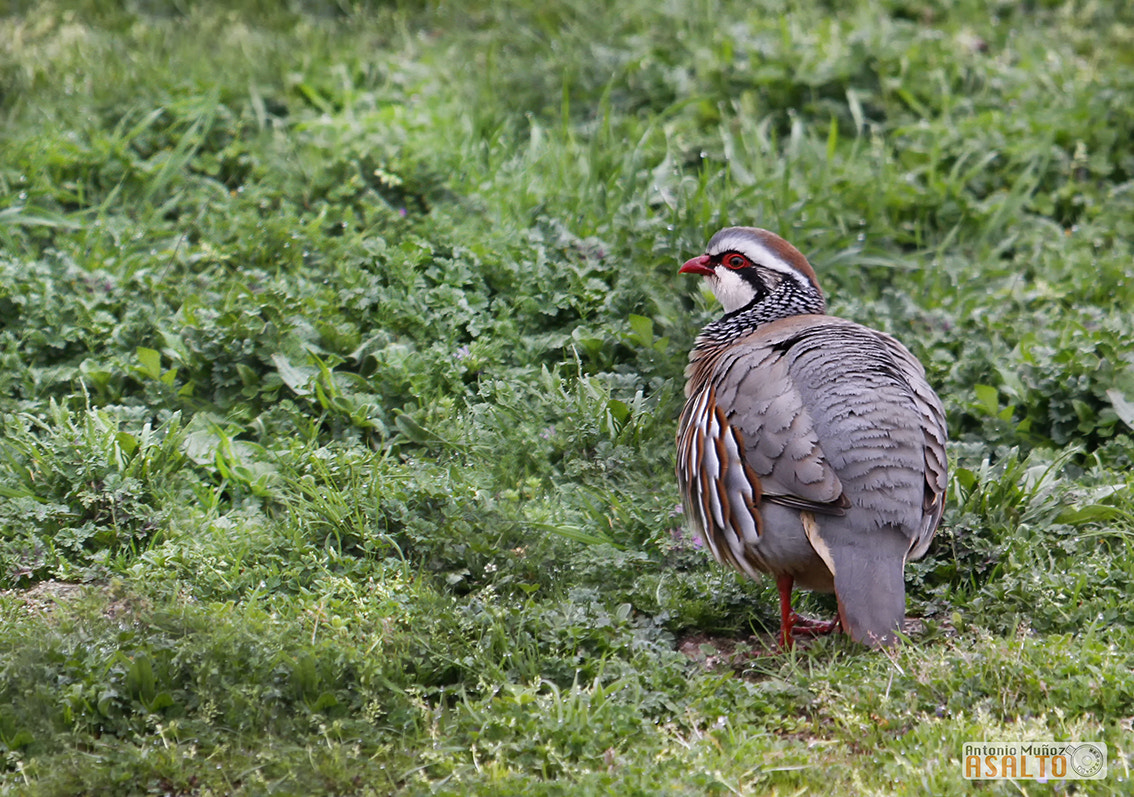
(749, 268)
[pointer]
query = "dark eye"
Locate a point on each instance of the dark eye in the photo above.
(736, 261)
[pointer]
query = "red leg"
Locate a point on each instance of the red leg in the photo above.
(787, 616)
(791, 624)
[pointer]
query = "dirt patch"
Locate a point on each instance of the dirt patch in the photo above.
(715, 652)
(42, 598)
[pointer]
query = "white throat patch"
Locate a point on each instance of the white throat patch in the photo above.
(732, 291)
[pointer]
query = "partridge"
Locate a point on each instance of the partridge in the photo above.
(811, 448)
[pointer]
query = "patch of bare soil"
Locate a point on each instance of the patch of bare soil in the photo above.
(44, 598)
(717, 652)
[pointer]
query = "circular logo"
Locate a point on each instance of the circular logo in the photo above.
(1087, 760)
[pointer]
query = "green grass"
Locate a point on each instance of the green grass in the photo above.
(340, 358)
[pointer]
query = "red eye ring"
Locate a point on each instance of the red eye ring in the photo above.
(736, 261)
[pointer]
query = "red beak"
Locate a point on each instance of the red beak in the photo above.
(698, 265)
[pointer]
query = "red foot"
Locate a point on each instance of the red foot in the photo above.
(793, 625)
(806, 627)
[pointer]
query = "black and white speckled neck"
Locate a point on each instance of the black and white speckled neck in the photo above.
(787, 300)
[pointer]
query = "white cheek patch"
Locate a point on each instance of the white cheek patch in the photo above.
(731, 290)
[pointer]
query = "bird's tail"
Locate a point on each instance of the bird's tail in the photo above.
(869, 580)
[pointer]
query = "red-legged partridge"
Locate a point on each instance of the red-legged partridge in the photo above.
(810, 448)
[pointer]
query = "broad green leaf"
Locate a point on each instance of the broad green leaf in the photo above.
(127, 442)
(1078, 516)
(1123, 408)
(577, 533)
(618, 411)
(150, 360)
(37, 217)
(298, 378)
(988, 398)
(965, 478)
(413, 430)
(643, 329)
